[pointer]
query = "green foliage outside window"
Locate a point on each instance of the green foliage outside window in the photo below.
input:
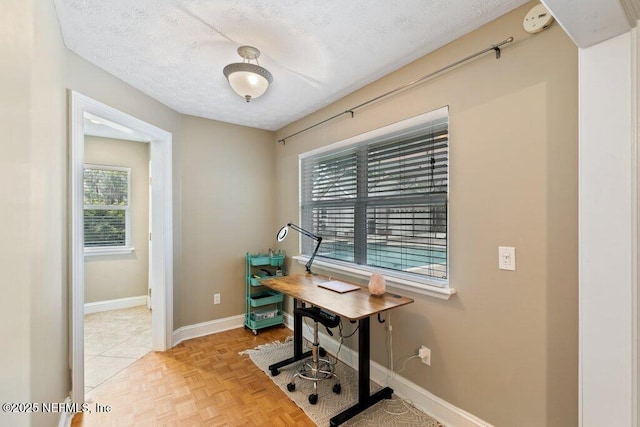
(106, 202)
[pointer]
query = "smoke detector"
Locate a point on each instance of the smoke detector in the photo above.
(537, 19)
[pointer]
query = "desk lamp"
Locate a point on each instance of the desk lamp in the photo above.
(282, 234)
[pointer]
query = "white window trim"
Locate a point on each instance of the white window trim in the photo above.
(113, 250)
(430, 286)
(108, 250)
(361, 272)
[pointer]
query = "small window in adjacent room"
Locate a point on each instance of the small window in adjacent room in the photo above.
(106, 210)
(380, 200)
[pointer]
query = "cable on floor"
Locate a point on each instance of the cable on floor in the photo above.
(408, 405)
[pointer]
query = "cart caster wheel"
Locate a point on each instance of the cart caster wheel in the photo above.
(274, 372)
(291, 386)
(313, 399)
(255, 332)
(337, 388)
(323, 352)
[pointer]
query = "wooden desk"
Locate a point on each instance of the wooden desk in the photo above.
(355, 305)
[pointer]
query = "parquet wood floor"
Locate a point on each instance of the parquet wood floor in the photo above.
(200, 382)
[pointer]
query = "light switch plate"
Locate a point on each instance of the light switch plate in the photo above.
(506, 258)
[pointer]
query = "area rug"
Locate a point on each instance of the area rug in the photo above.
(389, 412)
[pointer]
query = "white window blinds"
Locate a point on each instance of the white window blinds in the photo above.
(106, 206)
(382, 202)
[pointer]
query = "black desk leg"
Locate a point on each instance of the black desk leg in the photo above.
(364, 375)
(297, 345)
(297, 331)
(364, 357)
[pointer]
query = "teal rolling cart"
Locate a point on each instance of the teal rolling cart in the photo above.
(263, 306)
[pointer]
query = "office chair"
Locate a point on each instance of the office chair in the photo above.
(316, 369)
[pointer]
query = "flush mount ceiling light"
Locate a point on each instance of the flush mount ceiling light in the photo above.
(247, 79)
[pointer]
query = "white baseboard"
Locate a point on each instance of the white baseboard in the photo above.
(66, 417)
(114, 304)
(441, 410)
(207, 328)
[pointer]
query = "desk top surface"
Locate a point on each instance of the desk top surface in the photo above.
(353, 305)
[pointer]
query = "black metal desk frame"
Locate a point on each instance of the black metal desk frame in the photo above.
(365, 399)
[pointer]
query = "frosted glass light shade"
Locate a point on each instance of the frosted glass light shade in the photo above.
(248, 80)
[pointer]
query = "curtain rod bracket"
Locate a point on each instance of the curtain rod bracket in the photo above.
(350, 111)
(498, 53)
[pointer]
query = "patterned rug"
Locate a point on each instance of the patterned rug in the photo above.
(389, 412)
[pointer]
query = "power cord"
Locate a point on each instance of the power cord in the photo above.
(341, 341)
(407, 404)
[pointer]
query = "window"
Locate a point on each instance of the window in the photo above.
(106, 208)
(379, 201)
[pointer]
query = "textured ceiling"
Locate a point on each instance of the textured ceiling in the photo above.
(317, 51)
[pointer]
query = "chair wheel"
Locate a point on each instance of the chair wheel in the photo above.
(337, 388)
(291, 386)
(323, 352)
(274, 372)
(313, 399)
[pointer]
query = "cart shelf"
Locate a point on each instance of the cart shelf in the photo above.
(262, 299)
(263, 305)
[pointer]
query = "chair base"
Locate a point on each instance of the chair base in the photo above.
(315, 370)
(323, 371)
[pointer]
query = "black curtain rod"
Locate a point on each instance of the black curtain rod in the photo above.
(495, 48)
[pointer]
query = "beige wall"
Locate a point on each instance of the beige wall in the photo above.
(505, 347)
(228, 200)
(16, 255)
(36, 71)
(33, 266)
(120, 276)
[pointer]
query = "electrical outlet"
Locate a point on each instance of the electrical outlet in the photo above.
(425, 354)
(216, 298)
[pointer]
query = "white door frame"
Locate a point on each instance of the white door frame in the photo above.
(149, 241)
(162, 231)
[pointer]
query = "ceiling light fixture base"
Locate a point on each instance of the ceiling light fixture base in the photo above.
(249, 53)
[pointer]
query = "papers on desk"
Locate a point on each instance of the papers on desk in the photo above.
(338, 286)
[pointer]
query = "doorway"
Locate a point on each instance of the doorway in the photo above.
(117, 322)
(161, 260)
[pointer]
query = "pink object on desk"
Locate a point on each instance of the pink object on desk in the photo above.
(377, 284)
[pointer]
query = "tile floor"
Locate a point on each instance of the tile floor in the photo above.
(112, 341)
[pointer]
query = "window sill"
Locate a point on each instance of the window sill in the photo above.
(394, 282)
(120, 250)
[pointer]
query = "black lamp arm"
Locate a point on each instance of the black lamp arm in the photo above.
(303, 231)
(312, 236)
(315, 251)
